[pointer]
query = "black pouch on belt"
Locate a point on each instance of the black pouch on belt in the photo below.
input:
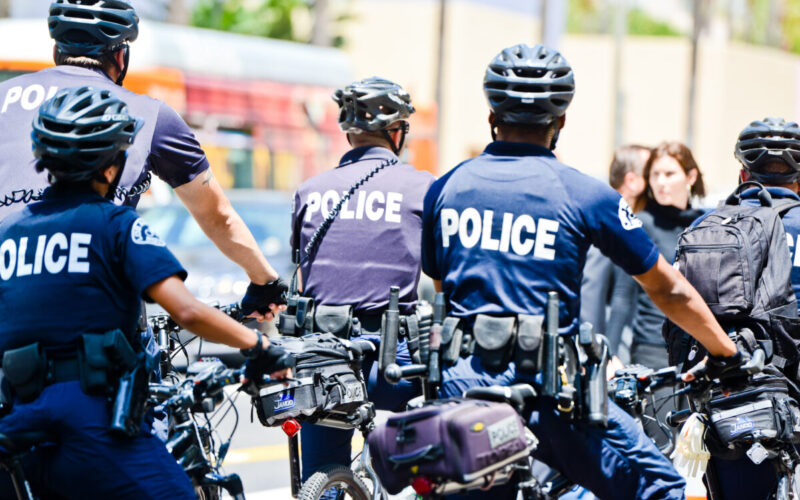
(452, 337)
(94, 365)
(494, 340)
(529, 338)
(26, 371)
(337, 320)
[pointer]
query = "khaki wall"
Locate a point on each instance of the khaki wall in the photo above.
(736, 83)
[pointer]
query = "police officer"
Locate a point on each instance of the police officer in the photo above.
(74, 263)
(372, 243)
(769, 153)
(503, 229)
(91, 48)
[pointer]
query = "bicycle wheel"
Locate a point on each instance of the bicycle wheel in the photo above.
(334, 482)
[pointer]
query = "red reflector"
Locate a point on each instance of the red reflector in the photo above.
(422, 485)
(290, 427)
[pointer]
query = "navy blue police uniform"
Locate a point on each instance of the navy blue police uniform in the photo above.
(71, 264)
(502, 230)
(373, 243)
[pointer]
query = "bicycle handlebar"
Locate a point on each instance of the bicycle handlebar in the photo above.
(194, 389)
(395, 373)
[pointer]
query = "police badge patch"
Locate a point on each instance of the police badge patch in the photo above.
(626, 217)
(142, 235)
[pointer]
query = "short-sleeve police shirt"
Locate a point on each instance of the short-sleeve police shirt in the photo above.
(373, 243)
(165, 145)
(72, 264)
(505, 228)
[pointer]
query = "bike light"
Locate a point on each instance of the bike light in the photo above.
(422, 485)
(290, 427)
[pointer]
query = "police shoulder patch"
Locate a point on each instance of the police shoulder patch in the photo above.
(142, 235)
(626, 216)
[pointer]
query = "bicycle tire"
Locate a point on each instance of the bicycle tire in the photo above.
(338, 477)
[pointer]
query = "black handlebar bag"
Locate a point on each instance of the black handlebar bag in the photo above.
(328, 382)
(761, 412)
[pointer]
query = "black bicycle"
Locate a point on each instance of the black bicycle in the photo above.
(194, 406)
(190, 405)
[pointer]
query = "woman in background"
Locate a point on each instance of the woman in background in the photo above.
(672, 179)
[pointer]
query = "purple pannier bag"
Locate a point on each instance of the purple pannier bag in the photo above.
(457, 440)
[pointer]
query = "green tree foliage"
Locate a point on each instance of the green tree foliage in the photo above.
(596, 16)
(639, 23)
(791, 26)
(268, 18)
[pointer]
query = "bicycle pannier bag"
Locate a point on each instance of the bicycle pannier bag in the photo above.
(459, 440)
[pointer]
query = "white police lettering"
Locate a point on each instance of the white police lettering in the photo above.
(28, 98)
(793, 249)
(371, 205)
(142, 235)
(55, 252)
(516, 232)
(626, 217)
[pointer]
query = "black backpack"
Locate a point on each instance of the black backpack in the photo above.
(738, 260)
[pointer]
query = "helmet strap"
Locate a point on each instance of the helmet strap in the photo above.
(554, 140)
(119, 161)
(403, 131)
(122, 70)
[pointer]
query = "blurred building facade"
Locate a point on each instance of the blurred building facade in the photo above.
(266, 123)
(736, 83)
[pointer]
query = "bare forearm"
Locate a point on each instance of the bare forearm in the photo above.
(681, 303)
(209, 206)
(200, 319)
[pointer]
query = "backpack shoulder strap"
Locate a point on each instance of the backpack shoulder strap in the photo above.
(782, 206)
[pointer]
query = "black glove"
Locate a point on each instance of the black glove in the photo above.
(723, 368)
(269, 360)
(259, 297)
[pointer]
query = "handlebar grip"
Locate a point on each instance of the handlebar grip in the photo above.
(395, 373)
(677, 418)
(756, 363)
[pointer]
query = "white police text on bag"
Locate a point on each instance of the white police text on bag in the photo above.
(472, 228)
(372, 205)
(52, 253)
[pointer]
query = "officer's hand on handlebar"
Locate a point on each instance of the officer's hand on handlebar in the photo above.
(714, 367)
(262, 302)
(273, 360)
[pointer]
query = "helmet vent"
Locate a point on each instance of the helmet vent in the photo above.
(77, 14)
(55, 126)
(530, 88)
(529, 72)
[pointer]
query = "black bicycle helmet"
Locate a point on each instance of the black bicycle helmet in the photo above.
(92, 27)
(80, 131)
(372, 105)
(528, 85)
(766, 141)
